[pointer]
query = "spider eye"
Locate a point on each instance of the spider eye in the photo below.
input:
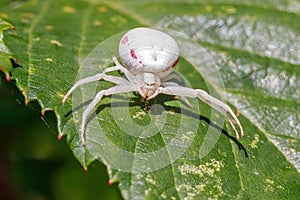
(150, 79)
(149, 84)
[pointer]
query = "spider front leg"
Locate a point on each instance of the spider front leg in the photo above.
(222, 108)
(113, 90)
(218, 105)
(113, 79)
(104, 76)
(166, 84)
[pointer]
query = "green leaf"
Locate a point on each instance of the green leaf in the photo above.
(255, 48)
(5, 54)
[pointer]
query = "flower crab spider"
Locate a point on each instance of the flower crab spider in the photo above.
(149, 56)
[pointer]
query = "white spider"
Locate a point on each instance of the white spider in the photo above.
(149, 57)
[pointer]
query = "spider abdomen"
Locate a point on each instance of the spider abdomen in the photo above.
(148, 50)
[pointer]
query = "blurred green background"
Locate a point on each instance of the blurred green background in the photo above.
(33, 164)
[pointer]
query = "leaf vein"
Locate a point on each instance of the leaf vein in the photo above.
(36, 20)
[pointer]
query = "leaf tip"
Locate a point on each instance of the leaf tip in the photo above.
(59, 137)
(26, 101)
(7, 76)
(110, 182)
(43, 112)
(85, 168)
(113, 180)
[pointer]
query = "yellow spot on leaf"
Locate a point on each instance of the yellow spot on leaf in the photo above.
(3, 15)
(163, 195)
(229, 9)
(49, 27)
(208, 168)
(56, 43)
(274, 108)
(69, 9)
(254, 143)
(97, 23)
(187, 137)
(139, 176)
(60, 95)
(292, 140)
(208, 8)
(280, 187)
(269, 187)
(118, 19)
(270, 181)
(171, 112)
(139, 115)
(49, 59)
(102, 9)
(150, 180)
(147, 192)
(31, 70)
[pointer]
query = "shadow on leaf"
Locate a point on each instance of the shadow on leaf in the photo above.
(162, 99)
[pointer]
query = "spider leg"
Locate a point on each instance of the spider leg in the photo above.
(113, 90)
(113, 79)
(128, 75)
(173, 76)
(208, 99)
(166, 84)
(222, 108)
(115, 60)
(104, 76)
(120, 67)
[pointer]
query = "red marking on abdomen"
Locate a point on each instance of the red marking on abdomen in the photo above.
(172, 66)
(132, 53)
(175, 63)
(167, 69)
(141, 63)
(125, 40)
